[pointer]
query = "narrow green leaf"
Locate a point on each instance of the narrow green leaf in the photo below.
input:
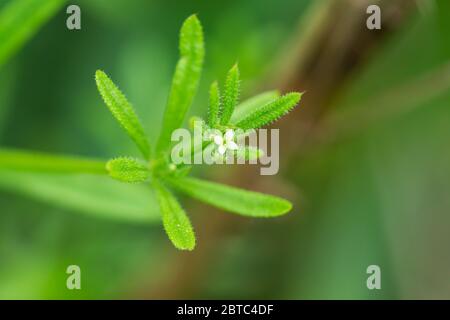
(176, 222)
(249, 153)
(253, 104)
(93, 195)
(123, 111)
(41, 162)
(127, 169)
(185, 80)
(20, 20)
(270, 112)
(244, 202)
(214, 105)
(231, 94)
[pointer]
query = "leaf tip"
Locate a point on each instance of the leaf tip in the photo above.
(186, 243)
(101, 78)
(286, 207)
(193, 18)
(192, 26)
(127, 169)
(234, 71)
(295, 96)
(99, 74)
(186, 246)
(283, 207)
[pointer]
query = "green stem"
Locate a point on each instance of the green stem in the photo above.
(41, 162)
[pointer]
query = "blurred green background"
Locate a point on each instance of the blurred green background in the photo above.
(365, 158)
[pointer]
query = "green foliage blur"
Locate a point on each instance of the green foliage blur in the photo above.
(378, 195)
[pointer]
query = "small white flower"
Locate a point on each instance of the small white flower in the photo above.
(225, 142)
(218, 139)
(229, 140)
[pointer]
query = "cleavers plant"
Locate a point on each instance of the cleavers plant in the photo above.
(155, 168)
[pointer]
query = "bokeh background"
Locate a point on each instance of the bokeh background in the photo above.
(365, 158)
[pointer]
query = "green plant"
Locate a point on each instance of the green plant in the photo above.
(156, 169)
